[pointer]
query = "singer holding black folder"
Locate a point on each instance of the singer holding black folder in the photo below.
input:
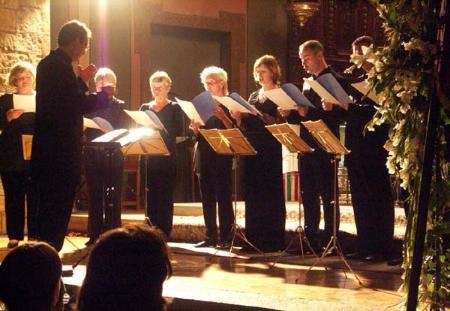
(265, 209)
(104, 166)
(214, 169)
(316, 169)
(162, 170)
(372, 199)
(14, 169)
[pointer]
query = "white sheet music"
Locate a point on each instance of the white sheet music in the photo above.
(231, 104)
(24, 102)
(89, 123)
(135, 135)
(329, 82)
(281, 99)
(363, 87)
(189, 109)
(110, 136)
(322, 92)
(142, 118)
(104, 124)
(98, 123)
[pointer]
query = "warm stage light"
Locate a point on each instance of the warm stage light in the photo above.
(141, 132)
(102, 6)
(103, 32)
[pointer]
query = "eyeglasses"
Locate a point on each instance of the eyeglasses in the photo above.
(210, 82)
(24, 78)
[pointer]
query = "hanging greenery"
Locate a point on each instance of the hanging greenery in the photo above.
(403, 78)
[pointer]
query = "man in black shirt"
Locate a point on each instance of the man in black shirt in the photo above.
(370, 185)
(61, 101)
(317, 170)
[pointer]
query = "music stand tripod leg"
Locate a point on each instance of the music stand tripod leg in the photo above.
(302, 238)
(237, 231)
(334, 243)
(147, 220)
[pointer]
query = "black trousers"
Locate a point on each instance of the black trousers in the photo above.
(317, 181)
(54, 191)
(161, 178)
(372, 203)
(215, 189)
(16, 186)
(104, 171)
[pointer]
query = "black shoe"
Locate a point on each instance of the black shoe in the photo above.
(354, 255)
(224, 245)
(373, 258)
(206, 243)
(395, 261)
(13, 243)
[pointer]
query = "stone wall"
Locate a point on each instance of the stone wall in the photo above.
(24, 34)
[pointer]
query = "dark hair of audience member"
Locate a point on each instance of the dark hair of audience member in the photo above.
(30, 278)
(126, 271)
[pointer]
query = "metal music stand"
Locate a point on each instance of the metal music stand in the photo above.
(332, 145)
(133, 142)
(150, 144)
(231, 142)
(291, 140)
(138, 142)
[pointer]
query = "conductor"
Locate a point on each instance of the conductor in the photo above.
(61, 101)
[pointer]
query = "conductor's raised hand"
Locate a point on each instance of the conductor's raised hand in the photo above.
(12, 114)
(87, 73)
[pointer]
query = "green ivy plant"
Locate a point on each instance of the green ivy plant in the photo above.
(403, 79)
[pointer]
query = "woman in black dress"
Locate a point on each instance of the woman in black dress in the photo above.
(162, 170)
(265, 209)
(215, 169)
(14, 170)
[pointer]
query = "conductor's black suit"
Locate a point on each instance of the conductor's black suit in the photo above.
(61, 101)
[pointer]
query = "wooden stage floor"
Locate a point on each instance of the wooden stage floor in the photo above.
(207, 279)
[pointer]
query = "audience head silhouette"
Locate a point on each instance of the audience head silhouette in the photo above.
(126, 270)
(30, 278)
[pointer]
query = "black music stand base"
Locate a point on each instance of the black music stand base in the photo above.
(333, 245)
(302, 238)
(238, 232)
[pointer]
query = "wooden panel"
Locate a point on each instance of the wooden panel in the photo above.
(336, 24)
